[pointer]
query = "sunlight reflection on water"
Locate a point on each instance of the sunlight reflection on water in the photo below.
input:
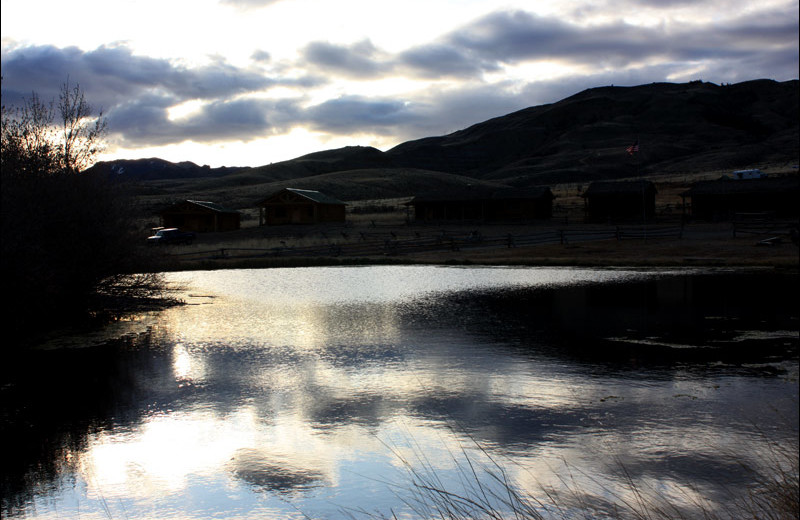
(290, 392)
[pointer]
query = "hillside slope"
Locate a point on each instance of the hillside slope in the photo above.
(681, 128)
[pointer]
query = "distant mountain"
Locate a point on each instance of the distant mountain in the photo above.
(681, 128)
(156, 169)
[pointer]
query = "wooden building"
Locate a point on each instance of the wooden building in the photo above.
(722, 199)
(295, 206)
(484, 204)
(200, 216)
(620, 201)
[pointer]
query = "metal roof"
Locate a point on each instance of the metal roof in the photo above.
(476, 193)
(618, 187)
(212, 206)
(316, 196)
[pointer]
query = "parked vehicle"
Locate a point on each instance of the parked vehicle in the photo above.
(748, 174)
(171, 236)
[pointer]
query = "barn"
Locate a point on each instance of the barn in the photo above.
(296, 206)
(200, 216)
(722, 199)
(484, 204)
(619, 201)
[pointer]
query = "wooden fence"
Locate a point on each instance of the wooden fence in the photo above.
(376, 244)
(746, 224)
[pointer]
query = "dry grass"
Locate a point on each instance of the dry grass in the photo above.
(483, 489)
(701, 244)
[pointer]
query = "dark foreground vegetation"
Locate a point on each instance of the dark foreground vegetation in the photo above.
(68, 252)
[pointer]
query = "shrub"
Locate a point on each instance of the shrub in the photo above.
(67, 236)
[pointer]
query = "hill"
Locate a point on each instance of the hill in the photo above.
(157, 169)
(681, 128)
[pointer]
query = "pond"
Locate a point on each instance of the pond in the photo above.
(366, 391)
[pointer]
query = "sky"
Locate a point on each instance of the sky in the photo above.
(252, 82)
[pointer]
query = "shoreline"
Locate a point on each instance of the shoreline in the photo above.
(690, 251)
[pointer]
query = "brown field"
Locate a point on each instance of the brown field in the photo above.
(372, 223)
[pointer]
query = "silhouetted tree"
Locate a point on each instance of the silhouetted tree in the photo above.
(68, 243)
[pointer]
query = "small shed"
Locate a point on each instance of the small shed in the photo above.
(486, 204)
(200, 216)
(296, 206)
(723, 198)
(620, 200)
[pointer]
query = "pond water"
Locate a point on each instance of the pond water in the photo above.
(347, 392)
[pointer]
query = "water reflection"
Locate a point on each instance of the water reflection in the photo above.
(274, 392)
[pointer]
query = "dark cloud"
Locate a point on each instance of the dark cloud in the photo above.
(359, 114)
(358, 60)
(136, 92)
(261, 56)
(147, 122)
(435, 61)
(112, 75)
(143, 120)
(517, 36)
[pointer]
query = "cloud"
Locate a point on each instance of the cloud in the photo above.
(147, 122)
(356, 114)
(261, 56)
(460, 78)
(137, 92)
(112, 74)
(359, 60)
(438, 60)
(516, 36)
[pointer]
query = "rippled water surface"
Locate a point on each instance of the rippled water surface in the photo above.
(323, 392)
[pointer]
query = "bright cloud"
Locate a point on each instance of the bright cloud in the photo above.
(234, 82)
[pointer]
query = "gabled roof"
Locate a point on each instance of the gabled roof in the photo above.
(477, 193)
(618, 187)
(201, 204)
(212, 206)
(314, 196)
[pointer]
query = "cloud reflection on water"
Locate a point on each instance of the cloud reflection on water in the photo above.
(260, 398)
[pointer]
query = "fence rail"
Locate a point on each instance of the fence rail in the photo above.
(374, 244)
(761, 224)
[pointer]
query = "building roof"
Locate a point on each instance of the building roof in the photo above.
(478, 193)
(727, 186)
(618, 187)
(316, 196)
(211, 206)
(312, 195)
